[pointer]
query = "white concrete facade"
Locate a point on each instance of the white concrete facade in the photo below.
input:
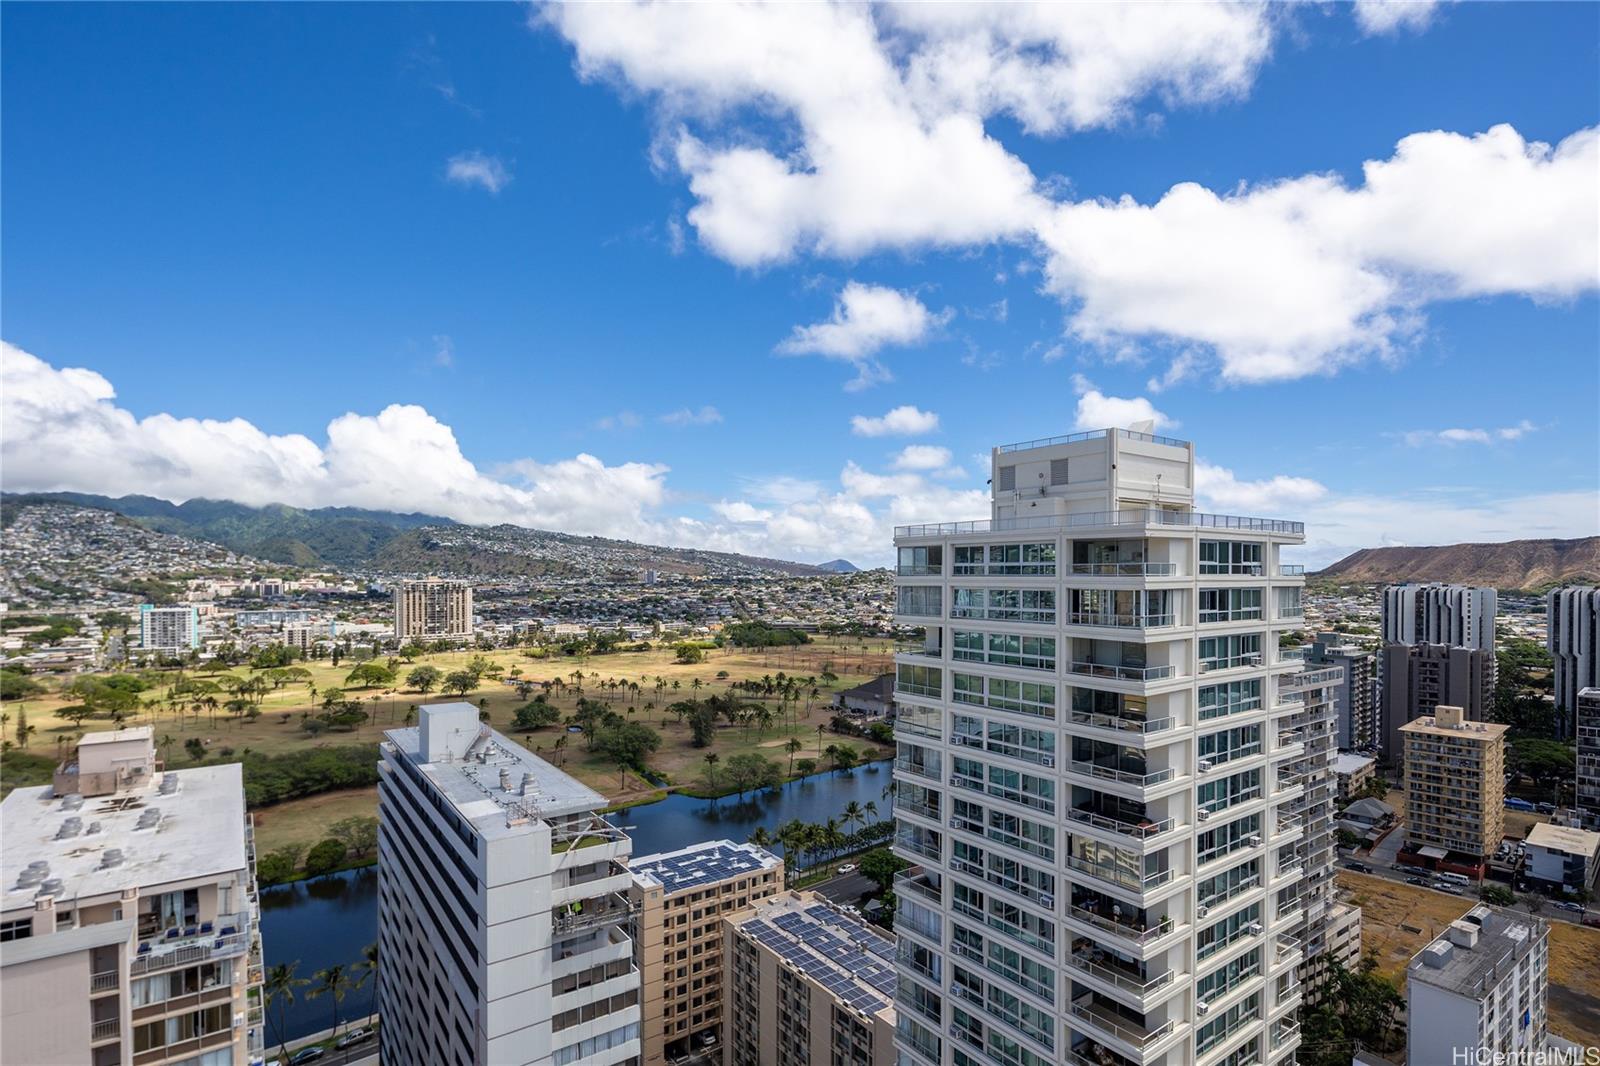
(168, 628)
(1572, 617)
(1116, 785)
(1483, 984)
(503, 908)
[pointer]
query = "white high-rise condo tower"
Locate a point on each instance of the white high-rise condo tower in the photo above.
(1116, 788)
(503, 909)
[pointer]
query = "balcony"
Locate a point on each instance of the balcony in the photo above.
(911, 688)
(919, 884)
(108, 1029)
(921, 651)
(1238, 614)
(186, 946)
(107, 981)
(1109, 520)
(1216, 899)
(1089, 1009)
(1231, 662)
(1130, 927)
(1120, 724)
(1117, 672)
(917, 767)
(1287, 951)
(1108, 968)
(928, 849)
(610, 910)
(1101, 772)
(1284, 1033)
(1140, 831)
(1120, 621)
(1123, 878)
(1125, 569)
(925, 570)
(1291, 570)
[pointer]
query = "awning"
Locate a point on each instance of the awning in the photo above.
(1431, 852)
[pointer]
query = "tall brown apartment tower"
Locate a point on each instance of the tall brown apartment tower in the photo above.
(681, 898)
(1417, 678)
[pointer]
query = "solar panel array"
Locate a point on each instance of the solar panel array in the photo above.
(839, 953)
(704, 866)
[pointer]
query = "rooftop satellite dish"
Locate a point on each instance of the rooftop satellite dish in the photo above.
(1146, 425)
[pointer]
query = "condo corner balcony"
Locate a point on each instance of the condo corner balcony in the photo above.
(1132, 1033)
(1134, 518)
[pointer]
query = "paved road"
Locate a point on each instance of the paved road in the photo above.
(846, 888)
(362, 1053)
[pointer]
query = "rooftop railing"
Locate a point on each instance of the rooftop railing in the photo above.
(1093, 434)
(1107, 519)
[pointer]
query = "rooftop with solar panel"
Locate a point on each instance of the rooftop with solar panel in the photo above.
(827, 944)
(706, 863)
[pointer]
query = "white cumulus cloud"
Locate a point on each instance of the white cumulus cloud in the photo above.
(1456, 435)
(865, 319)
(922, 457)
(1096, 410)
(685, 416)
(903, 421)
(1391, 16)
(840, 130)
(478, 168)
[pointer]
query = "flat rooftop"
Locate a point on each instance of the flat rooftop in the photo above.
(701, 864)
(1480, 732)
(490, 778)
(827, 944)
(196, 830)
(1503, 937)
(1347, 762)
(1565, 839)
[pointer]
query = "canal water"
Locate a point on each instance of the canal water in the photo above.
(329, 920)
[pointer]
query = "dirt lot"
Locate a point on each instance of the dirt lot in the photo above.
(1398, 920)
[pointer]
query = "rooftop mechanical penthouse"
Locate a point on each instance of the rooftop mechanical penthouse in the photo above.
(1113, 783)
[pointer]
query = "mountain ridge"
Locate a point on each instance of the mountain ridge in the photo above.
(353, 538)
(1520, 565)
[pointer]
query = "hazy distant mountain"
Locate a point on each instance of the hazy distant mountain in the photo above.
(1515, 564)
(349, 538)
(839, 566)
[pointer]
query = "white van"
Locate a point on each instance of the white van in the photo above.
(1453, 879)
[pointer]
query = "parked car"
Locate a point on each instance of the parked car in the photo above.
(353, 1037)
(1568, 905)
(848, 868)
(307, 1054)
(1423, 881)
(1358, 867)
(1545, 808)
(1446, 886)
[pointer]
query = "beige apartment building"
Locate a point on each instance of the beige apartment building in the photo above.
(432, 609)
(129, 922)
(808, 982)
(681, 898)
(1455, 785)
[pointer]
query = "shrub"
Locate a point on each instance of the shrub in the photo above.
(325, 857)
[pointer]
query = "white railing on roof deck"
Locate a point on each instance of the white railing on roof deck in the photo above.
(1106, 519)
(1093, 434)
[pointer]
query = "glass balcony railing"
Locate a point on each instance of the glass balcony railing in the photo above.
(1119, 621)
(1141, 830)
(1121, 875)
(1120, 723)
(1126, 777)
(1125, 569)
(1106, 967)
(1230, 662)
(1292, 570)
(1118, 672)
(925, 570)
(1130, 1030)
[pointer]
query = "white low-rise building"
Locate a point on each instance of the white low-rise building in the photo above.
(1482, 985)
(503, 907)
(1560, 855)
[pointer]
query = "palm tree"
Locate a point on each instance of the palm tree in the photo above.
(852, 813)
(792, 745)
(335, 982)
(820, 730)
(761, 838)
(367, 970)
(711, 768)
(870, 808)
(279, 989)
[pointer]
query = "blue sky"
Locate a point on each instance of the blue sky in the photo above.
(566, 267)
